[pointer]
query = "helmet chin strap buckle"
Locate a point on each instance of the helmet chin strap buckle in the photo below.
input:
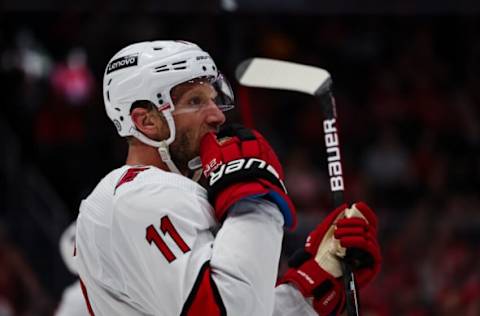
(195, 164)
(164, 153)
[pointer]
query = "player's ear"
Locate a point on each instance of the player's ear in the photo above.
(146, 121)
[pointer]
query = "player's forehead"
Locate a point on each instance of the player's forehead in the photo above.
(199, 85)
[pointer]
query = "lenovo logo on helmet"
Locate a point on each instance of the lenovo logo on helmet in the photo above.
(122, 62)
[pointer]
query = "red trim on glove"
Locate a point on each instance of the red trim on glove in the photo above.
(312, 281)
(234, 193)
(356, 233)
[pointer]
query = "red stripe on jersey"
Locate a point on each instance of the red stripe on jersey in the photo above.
(129, 175)
(85, 295)
(204, 299)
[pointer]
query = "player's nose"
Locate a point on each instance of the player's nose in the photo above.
(215, 116)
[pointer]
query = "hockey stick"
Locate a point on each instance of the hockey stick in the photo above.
(283, 75)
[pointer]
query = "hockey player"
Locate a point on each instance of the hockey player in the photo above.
(144, 241)
(72, 302)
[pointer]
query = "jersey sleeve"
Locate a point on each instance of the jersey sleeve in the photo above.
(246, 253)
(245, 257)
(290, 302)
(72, 302)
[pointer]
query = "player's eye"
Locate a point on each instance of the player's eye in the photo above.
(196, 101)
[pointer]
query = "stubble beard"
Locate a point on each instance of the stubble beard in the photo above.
(182, 150)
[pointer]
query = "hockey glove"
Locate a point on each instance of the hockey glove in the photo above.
(358, 230)
(239, 163)
(316, 270)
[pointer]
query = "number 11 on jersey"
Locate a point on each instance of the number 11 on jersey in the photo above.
(166, 227)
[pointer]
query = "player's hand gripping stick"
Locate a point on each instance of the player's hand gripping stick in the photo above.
(315, 270)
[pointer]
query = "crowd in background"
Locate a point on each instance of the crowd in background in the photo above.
(408, 97)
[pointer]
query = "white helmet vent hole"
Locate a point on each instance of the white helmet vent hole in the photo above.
(179, 65)
(109, 82)
(204, 68)
(157, 48)
(161, 68)
(118, 109)
(108, 96)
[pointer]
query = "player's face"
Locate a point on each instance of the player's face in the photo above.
(195, 114)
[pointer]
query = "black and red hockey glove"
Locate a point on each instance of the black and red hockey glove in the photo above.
(315, 270)
(239, 163)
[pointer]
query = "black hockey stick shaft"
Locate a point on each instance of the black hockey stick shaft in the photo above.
(337, 188)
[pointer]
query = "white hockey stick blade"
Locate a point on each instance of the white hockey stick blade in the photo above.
(278, 74)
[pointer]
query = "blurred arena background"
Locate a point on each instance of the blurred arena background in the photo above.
(407, 83)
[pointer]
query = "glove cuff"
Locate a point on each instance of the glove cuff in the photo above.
(307, 277)
(255, 189)
(312, 281)
(234, 193)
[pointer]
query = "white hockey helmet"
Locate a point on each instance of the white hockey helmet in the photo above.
(148, 71)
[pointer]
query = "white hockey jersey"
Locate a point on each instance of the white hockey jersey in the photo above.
(72, 302)
(144, 246)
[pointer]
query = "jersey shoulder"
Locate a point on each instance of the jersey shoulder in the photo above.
(150, 179)
(149, 190)
(141, 185)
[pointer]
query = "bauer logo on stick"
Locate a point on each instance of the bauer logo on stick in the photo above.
(333, 154)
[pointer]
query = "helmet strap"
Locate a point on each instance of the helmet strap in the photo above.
(163, 148)
(165, 156)
(195, 165)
